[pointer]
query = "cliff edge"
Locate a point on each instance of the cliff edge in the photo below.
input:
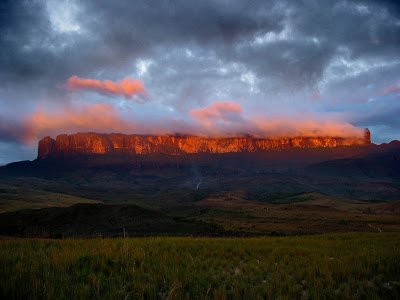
(116, 143)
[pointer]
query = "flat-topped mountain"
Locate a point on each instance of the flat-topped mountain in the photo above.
(116, 143)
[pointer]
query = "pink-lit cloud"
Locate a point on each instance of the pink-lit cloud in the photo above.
(304, 126)
(229, 118)
(227, 112)
(391, 89)
(126, 87)
(218, 119)
(70, 119)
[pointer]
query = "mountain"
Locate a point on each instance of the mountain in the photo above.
(168, 190)
(95, 143)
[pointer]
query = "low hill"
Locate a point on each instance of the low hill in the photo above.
(96, 220)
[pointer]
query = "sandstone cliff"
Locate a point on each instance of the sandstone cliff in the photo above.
(115, 143)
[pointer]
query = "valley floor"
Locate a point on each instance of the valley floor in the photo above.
(350, 265)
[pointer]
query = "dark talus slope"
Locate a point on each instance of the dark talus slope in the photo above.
(380, 164)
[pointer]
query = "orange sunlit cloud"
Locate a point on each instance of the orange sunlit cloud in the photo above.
(229, 118)
(218, 119)
(218, 111)
(304, 126)
(95, 117)
(126, 87)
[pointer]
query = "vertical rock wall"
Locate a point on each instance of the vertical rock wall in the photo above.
(95, 143)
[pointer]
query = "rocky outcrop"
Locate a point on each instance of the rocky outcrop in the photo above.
(46, 147)
(115, 143)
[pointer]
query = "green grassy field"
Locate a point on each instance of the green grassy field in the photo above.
(352, 265)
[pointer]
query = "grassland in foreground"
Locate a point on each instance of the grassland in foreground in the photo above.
(354, 265)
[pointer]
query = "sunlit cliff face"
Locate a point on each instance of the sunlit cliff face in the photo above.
(94, 143)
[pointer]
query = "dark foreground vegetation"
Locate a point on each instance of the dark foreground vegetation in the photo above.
(354, 265)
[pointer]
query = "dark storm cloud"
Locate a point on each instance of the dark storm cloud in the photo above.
(265, 55)
(111, 33)
(318, 33)
(31, 52)
(11, 131)
(23, 27)
(380, 113)
(296, 39)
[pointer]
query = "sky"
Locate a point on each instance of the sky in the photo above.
(212, 68)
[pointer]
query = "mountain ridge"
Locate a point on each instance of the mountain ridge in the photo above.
(97, 143)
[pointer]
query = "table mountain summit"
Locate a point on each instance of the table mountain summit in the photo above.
(116, 143)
